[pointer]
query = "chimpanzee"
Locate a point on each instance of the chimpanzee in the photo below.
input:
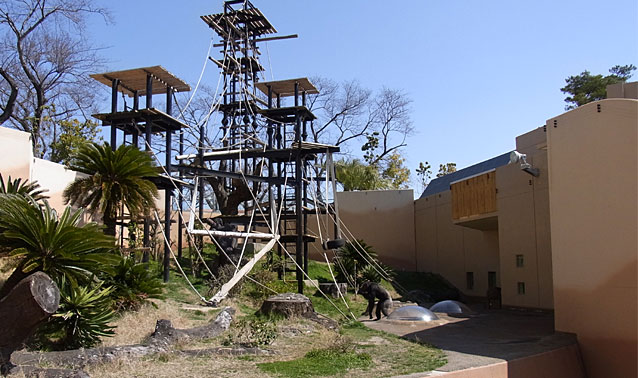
(372, 291)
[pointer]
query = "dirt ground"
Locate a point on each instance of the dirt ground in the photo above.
(488, 337)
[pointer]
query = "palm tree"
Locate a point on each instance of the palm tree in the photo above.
(57, 246)
(114, 178)
(23, 188)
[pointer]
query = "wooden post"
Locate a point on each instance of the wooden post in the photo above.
(31, 302)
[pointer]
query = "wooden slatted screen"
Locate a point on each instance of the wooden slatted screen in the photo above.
(474, 196)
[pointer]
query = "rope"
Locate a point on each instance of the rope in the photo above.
(198, 80)
(168, 245)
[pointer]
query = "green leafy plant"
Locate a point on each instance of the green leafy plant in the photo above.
(82, 318)
(252, 333)
(56, 245)
(133, 284)
(23, 188)
(351, 259)
(113, 179)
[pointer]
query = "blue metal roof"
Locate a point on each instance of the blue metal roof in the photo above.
(442, 184)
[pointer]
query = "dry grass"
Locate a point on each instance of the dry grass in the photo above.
(134, 327)
(288, 346)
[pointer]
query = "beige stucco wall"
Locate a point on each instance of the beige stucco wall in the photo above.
(523, 228)
(452, 250)
(383, 219)
(53, 177)
(17, 154)
(593, 165)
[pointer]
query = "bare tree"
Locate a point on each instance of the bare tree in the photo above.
(44, 51)
(351, 116)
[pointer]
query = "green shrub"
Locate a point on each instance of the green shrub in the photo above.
(350, 259)
(81, 320)
(56, 245)
(133, 284)
(252, 333)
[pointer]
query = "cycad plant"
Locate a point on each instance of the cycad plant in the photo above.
(82, 318)
(113, 179)
(133, 284)
(23, 188)
(57, 246)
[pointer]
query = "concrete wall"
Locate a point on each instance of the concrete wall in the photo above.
(17, 154)
(523, 229)
(53, 177)
(452, 250)
(382, 218)
(593, 165)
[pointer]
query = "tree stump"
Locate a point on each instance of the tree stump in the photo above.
(289, 305)
(30, 303)
(333, 289)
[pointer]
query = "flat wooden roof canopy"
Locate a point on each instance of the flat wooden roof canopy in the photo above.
(286, 88)
(135, 80)
(252, 17)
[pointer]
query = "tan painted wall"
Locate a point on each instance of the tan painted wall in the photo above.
(524, 230)
(384, 219)
(593, 165)
(17, 155)
(55, 178)
(452, 250)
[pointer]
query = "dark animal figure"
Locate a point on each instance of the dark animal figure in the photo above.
(494, 297)
(372, 291)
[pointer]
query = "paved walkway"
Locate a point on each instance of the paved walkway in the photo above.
(490, 337)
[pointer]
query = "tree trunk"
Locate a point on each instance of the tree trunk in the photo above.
(11, 100)
(30, 302)
(162, 340)
(109, 225)
(13, 280)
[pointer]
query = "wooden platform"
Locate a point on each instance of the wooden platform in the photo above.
(286, 88)
(135, 80)
(127, 120)
(279, 155)
(288, 115)
(256, 22)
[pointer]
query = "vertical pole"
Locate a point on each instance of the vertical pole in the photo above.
(201, 162)
(114, 87)
(136, 131)
(298, 200)
(180, 223)
(168, 203)
(149, 91)
(148, 133)
(280, 191)
(167, 209)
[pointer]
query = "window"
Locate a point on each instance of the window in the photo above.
(521, 288)
(520, 261)
(469, 277)
(491, 280)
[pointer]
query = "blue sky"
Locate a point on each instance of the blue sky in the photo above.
(479, 72)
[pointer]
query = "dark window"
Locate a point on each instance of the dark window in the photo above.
(520, 261)
(469, 277)
(491, 279)
(521, 288)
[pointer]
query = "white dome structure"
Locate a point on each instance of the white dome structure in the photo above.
(451, 307)
(413, 313)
